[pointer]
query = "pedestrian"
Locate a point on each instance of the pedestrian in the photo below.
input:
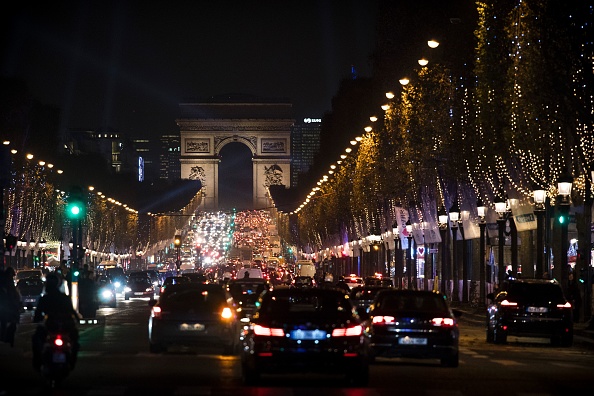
(575, 297)
(87, 295)
(10, 306)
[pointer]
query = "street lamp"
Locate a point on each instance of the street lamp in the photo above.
(408, 253)
(42, 246)
(501, 209)
(21, 250)
(481, 210)
(540, 196)
(454, 217)
(442, 217)
(564, 185)
(32, 244)
(464, 216)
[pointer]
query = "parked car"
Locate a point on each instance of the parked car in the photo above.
(530, 308)
(106, 291)
(305, 330)
(139, 285)
(195, 315)
(413, 324)
(31, 290)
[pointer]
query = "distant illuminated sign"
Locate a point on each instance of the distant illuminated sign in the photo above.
(310, 120)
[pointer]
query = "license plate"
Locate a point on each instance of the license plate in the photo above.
(538, 309)
(191, 327)
(308, 334)
(138, 293)
(412, 341)
(59, 357)
(30, 299)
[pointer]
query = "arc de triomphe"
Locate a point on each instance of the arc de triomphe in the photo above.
(263, 125)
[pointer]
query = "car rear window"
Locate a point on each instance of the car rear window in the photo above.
(535, 292)
(305, 305)
(411, 302)
(194, 298)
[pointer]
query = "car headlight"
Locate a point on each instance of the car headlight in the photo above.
(106, 294)
(127, 289)
(117, 284)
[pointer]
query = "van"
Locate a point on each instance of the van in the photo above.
(305, 268)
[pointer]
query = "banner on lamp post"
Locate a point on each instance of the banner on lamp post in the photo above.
(524, 217)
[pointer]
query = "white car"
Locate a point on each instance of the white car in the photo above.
(353, 281)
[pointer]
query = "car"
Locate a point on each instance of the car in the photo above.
(29, 273)
(31, 290)
(378, 281)
(363, 296)
(106, 292)
(416, 324)
(246, 292)
(118, 278)
(195, 315)
(173, 280)
(353, 280)
(309, 330)
(250, 273)
(139, 285)
(199, 277)
(530, 308)
(303, 282)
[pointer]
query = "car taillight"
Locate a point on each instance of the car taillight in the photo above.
(59, 341)
(382, 320)
(267, 331)
(347, 331)
(507, 303)
(443, 322)
(226, 313)
(156, 312)
(566, 305)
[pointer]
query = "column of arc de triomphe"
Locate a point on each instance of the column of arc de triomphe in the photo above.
(264, 126)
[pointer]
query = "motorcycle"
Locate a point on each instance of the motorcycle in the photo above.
(57, 356)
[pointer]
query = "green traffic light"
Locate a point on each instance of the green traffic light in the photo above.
(561, 219)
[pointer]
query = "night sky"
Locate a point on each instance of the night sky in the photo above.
(128, 64)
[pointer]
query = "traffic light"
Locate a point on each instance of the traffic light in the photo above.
(11, 242)
(76, 207)
(563, 215)
(177, 241)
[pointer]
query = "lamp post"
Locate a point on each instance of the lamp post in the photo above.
(70, 247)
(443, 227)
(408, 253)
(61, 249)
(482, 212)
(397, 256)
(464, 216)
(540, 196)
(32, 244)
(501, 209)
(42, 246)
(21, 251)
(454, 217)
(564, 185)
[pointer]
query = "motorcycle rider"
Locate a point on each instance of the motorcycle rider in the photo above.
(57, 310)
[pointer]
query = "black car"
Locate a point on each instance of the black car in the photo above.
(363, 296)
(313, 330)
(30, 289)
(246, 292)
(106, 291)
(173, 280)
(414, 324)
(194, 315)
(139, 285)
(303, 282)
(530, 308)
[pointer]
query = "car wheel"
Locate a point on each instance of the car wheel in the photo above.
(250, 376)
(126, 297)
(450, 360)
(499, 336)
(490, 335)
